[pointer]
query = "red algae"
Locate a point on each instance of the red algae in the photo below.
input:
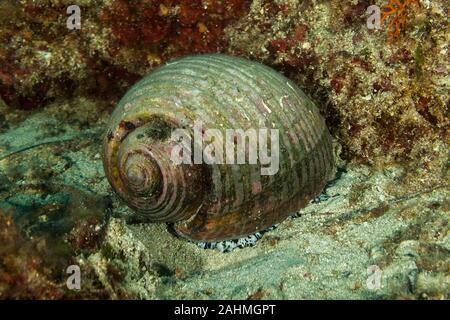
(22, 272)
(119, 42)
(173, 28)
(380, 100)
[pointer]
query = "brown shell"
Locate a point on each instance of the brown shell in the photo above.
(218, 201)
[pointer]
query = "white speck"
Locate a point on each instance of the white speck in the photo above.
(290, 86)
(127, 106)
(306, 45)
(46, 56)
(266, 107)
(282, 99)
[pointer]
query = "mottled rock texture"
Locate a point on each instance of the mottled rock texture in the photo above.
(385, 96)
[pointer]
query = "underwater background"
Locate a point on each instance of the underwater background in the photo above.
(381, 230)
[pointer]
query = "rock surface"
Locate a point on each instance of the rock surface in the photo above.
(365, 237)
(380, 229)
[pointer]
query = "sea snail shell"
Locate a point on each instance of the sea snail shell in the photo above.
(215, 201)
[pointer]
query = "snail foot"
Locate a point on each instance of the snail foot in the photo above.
(229, 245)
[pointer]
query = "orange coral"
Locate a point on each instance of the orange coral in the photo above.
(396, 10)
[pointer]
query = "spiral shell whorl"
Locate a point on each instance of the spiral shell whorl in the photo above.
(216, 202)
(139, 168)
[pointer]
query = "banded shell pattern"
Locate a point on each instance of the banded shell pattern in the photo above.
(209, 202)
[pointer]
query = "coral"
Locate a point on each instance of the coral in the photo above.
(396, 11)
